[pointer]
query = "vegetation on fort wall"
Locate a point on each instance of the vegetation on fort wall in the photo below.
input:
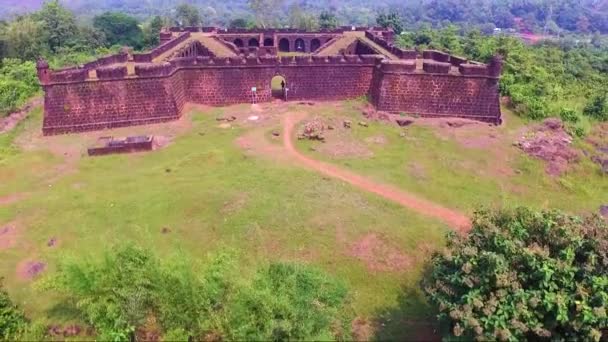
(540, 80)
(524, 275)
(18, 82)
(132, 287)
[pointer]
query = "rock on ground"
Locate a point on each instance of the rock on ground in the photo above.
(551, 143)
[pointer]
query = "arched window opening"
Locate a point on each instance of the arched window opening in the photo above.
(284, 45)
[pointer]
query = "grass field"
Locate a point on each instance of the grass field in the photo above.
(212, 194)
(465, 168)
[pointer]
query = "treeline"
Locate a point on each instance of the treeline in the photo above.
(56, 34)
(583, 16)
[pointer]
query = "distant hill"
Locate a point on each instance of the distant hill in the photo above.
(533, 16)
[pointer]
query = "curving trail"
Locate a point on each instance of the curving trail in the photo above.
(453, 218)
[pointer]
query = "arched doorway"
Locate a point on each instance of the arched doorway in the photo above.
(284, 45)
(300, 45)
(278, 86)
(315, 44)
(254, 42)
(238, 42)
(268, 42)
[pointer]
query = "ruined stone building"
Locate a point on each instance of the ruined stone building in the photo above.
(217, 67)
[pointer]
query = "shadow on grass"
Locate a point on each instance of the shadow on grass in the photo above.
(64, 311)
(412, 319)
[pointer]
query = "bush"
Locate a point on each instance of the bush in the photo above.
(18, 82)
(132, 285)
(597, 107)
(524, 275)
(12, 320)
(290, 302)
(569, 115)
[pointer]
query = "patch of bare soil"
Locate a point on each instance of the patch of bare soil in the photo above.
(377, 139)
(29, 269)
(362, 329)
(599, 140)
(379, 255)
(12, 119)
(551, 143)
(468, 133)
(346, 148)
(59, 331)
(604, 211)
(8, 236)
(12, 198)
(235, 204)
(337, 138)
(149, 331)
(417, 171)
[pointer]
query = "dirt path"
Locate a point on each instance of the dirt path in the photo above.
(450, 217)
(13, 119)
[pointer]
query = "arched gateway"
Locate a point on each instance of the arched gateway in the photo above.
(204, 66)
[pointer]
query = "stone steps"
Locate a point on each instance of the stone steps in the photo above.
(216, 47)
(334, 49)
(350, 37)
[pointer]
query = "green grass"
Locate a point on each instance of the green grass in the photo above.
(464, 178)
(212, 196)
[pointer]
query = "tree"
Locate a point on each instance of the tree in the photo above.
(187, 15)
(265, 11)
(328, 20)
(119, 29)
(151, 31)
(58, 25)
(241, 23)
(597, 107)
(301, 19)
(524, 275)
(24, 38)
(390, 20)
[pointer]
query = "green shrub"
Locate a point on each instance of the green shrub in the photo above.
(284, 301)
(12, 320)
(569, 115)
(524, 275)
(289, 302)
(597, 107)
(18, 82)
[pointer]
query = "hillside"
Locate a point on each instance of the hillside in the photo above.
(584, 16)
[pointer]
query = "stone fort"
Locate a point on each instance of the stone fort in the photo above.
(212, 66)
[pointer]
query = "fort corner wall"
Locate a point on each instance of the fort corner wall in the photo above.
(437, 92)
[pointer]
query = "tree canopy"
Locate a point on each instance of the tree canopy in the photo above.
(524, 275)
(187, 15)
(119, 29)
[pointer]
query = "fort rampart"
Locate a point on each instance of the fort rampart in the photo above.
(109, 93)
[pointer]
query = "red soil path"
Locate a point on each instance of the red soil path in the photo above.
(452, 218)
